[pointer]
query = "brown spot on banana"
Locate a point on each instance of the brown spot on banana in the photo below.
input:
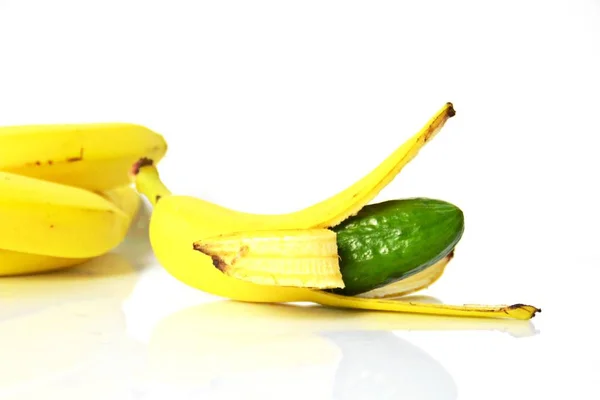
(51, 162)
(450, 112)
(219, 263)
(77, 158)
(520, 306)
(217, 260)
(242, 252)
(38, 163)
(142, 162)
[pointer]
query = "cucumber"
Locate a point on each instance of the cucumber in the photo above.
(392, 240)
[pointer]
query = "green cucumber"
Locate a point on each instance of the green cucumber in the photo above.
(392, 240)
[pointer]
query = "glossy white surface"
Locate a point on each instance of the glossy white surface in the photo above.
(269, 106)
(120, 327)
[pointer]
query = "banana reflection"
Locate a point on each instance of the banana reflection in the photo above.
(216, 346)
(67, 324)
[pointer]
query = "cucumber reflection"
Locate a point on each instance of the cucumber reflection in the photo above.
(381, 363)
(228, 347)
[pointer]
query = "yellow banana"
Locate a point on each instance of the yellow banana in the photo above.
(178, 222)
(48, 226)
(125, 197)
(19, 263)
(96, 157)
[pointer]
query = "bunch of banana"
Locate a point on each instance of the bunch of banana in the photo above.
(341, 252)
(65, 191)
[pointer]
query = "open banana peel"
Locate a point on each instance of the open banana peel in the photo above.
(323, 253)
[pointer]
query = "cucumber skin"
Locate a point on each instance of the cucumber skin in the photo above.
(392, 240)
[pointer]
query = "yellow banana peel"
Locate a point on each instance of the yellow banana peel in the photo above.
(181, 226)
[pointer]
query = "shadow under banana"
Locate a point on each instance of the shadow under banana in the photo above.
(215, 347)
(67, 324)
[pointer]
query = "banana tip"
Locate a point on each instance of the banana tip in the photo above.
(451, 110)
(139, 164)
(523, 311)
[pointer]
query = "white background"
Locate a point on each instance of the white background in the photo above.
(270, 106)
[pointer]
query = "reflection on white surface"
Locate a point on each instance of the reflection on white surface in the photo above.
(65, 335)
(379, 364)
(228, 348)
(63, 332)
(60, 330)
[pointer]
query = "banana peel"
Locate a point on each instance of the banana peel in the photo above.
(181, 226)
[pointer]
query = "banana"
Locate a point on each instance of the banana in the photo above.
(20, 263)
(48, 226)
(96, 157)
(126, 198)
(178, 222)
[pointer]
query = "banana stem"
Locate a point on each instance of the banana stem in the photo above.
(516, 311)
(147, 181)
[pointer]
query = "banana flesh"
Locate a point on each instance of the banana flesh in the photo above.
(178, 222)
(95, 157)
(301, 258)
